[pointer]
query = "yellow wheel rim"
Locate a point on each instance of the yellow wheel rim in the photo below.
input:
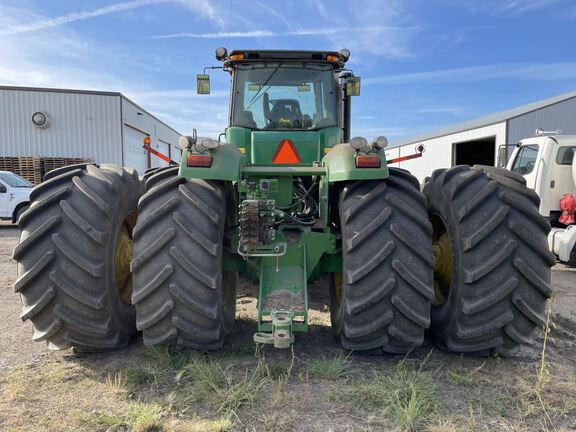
(337, 280)
(123, 257)
(442, 250)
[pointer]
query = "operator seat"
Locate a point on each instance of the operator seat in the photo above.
(287, 109)
(245, 118)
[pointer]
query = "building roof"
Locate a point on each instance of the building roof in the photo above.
(488, 120)
(86, 92)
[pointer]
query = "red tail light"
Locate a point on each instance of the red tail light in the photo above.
(199, 161)
(367, 161)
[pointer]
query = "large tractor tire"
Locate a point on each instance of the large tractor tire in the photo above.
(74, 257)
(492, 264)
(381, 301)
(181, 293)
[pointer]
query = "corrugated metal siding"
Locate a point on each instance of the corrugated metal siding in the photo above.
(438, 152)
(559, 116)
(137, 118)
(81, 125)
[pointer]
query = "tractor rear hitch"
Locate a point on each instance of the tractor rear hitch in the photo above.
(282, 335)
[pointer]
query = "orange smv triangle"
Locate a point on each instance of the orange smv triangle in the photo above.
(286, 153)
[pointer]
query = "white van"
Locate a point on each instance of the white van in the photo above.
(14, 196)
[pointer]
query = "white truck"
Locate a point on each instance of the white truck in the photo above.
(547, 162)
(14, 196)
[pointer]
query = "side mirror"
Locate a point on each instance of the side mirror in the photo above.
(353, 86)
(203, 84)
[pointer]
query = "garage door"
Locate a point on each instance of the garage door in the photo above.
(163, 148)
(134, 155)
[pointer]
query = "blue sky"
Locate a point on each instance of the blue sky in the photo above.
(424, 64)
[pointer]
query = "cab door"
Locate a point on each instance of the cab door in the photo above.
(525, 163)
(4, 200)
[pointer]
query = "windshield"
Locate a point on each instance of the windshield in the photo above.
(280, 96)
(526, 159)
(14, 181)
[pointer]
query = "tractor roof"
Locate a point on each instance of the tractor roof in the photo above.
(331, 57)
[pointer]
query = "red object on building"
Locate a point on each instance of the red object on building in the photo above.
(568, 207)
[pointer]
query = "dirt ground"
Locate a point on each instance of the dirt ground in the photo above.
(314, 387)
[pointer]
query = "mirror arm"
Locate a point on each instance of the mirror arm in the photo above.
(212, 67)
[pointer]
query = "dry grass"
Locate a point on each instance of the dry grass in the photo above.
(330, 368)
(307, 389)
(404, 398)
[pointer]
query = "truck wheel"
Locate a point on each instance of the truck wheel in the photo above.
(492, 264)
(20, 211)
(381, 301)
(181, 293)
(74, 255)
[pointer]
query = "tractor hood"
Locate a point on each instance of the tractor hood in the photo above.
(263, 147)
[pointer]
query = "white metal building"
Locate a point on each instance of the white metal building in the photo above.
(479, 141)
(104, 126)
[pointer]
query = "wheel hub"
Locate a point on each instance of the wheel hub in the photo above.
(442, 250)
(123, 258)
(337, 280)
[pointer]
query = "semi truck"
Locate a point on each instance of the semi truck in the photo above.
(547, 162)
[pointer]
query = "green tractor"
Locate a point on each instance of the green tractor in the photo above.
(287, 199)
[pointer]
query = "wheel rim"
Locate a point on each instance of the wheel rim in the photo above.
(123, 257)
(442, 250)
(337, 280)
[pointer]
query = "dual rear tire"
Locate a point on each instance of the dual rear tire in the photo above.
(85, 283)
(480, 285)
(74, 256)
(182, 294)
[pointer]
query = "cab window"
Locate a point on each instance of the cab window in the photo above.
(526, 159)
(565, 155)
(280, 96)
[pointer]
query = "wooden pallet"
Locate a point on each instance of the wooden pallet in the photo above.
(35, 168)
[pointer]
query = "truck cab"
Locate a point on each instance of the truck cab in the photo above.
(547, 164)
(14, 196)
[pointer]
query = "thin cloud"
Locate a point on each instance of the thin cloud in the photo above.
(202, 6)
(269, 33)
(507, 7)
(518, 71)
(454, 110)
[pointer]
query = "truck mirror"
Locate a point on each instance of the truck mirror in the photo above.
(353, 86)
(501, 162)
(203, 84)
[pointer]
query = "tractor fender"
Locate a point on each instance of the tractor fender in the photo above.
(227, 162)
(341, 166)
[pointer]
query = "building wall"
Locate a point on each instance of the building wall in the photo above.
(163, 138)
(106, 127)
(438, 153)
(559, 116)
(81, 125)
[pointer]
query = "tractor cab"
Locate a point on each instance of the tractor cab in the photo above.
(280, 97)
